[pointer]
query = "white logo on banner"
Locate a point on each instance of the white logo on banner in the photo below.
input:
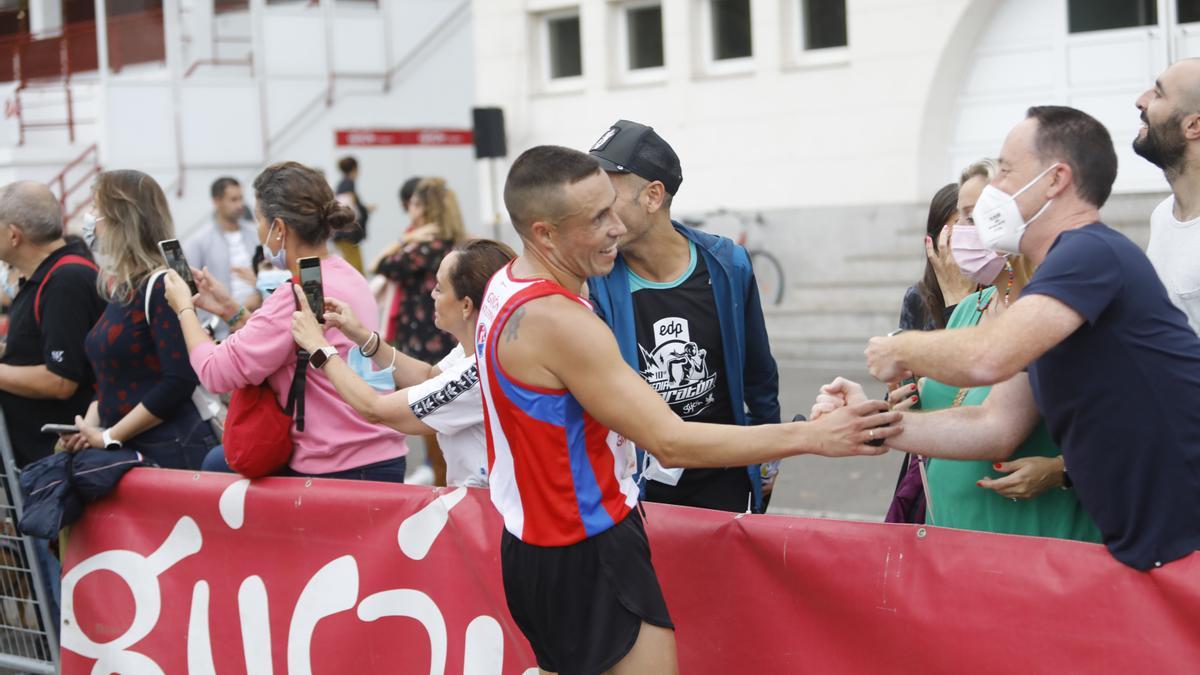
(331, 590)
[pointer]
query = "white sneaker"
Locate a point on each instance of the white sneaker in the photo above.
(422, 475)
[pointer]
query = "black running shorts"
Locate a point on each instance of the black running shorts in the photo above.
(581, 606)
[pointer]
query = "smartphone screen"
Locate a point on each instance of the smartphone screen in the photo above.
(173, 254)
(310, 282)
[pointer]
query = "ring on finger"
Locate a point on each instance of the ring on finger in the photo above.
(871, 434)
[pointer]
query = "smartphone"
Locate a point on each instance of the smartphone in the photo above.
(310, 283)
(173, 254)
(59, 429)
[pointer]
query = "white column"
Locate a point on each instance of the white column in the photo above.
(327, 17)
(385, 15)
(258, 47)
(173, 43)
(45, 15)
(200, 27)
(102, 93)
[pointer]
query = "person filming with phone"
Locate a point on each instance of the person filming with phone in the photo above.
(296, 213)
(443, 399)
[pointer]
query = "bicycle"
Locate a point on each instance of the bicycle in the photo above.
(768, 271)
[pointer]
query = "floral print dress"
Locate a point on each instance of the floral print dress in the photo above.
(409, 327)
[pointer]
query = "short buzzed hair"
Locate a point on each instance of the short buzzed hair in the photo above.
(533, 189)
(1081, 141)
(32, 208)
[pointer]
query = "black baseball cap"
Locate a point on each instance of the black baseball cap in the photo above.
(629, 147)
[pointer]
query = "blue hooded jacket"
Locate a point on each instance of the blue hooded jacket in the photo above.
(750, 369)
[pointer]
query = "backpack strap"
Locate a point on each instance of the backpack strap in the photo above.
(69, 259)
(149, 289)
(295, 400)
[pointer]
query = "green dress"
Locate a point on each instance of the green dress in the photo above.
(958, 502)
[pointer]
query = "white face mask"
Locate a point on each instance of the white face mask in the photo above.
(999, 219)
(89, 230)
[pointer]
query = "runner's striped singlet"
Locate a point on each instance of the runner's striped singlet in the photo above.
(557, 475)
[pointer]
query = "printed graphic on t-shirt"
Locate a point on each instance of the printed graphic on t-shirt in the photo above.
(451, 391)
(678, 369)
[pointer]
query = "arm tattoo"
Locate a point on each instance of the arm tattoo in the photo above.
(513, 324)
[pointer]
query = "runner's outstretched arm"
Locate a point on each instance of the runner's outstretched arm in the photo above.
(556, 342)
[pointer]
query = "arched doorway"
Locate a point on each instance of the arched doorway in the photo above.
(1011, 54)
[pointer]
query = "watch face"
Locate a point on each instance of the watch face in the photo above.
(318, 358)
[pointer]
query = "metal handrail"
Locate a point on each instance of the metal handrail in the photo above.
(65, 190)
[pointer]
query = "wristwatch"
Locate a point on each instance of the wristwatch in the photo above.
(322, 356)
(110, 443)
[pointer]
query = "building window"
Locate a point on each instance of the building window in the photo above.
(823, 23)
(644, 36)
(564, 51)
(730, 29)
(1089, 15)
(1188, 11)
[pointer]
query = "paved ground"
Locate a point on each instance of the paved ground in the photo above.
(858, 488)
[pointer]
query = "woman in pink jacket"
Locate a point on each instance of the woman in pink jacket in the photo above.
(297, 213)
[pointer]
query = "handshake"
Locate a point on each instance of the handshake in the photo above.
(855, 425)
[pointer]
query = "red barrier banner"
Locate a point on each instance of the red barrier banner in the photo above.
(386, 137)
(200, 573)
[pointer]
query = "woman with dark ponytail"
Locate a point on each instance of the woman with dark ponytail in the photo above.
(297, 214)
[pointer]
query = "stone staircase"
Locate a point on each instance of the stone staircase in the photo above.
(827, 322)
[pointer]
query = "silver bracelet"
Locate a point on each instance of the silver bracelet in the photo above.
(378, 341)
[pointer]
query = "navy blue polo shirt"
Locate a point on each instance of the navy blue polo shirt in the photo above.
(1121, 396)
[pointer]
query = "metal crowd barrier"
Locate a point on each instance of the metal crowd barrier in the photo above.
(28, 638)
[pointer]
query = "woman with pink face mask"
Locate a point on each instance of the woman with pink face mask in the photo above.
(1014, 496)
(927, 305)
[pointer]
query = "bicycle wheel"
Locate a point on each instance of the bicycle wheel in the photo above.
(769, 274)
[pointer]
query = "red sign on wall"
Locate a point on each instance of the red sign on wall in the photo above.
(365, 138)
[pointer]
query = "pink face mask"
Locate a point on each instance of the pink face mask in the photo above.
(977, 262)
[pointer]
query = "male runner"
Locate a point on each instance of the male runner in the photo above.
(563, 413)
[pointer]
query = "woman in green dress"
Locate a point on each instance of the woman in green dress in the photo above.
(1023, 494)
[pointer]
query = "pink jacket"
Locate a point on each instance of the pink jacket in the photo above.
(335, 438)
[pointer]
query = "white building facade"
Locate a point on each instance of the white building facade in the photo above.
(836, 120)
(235, 86)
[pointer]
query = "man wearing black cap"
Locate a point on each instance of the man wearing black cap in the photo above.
(684, 307)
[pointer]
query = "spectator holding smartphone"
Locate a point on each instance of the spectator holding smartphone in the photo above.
(442, 399)
(297, 214)
(144, 383)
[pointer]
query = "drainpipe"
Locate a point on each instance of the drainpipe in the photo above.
(174, 48)
(102, 94)
(258, 60)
